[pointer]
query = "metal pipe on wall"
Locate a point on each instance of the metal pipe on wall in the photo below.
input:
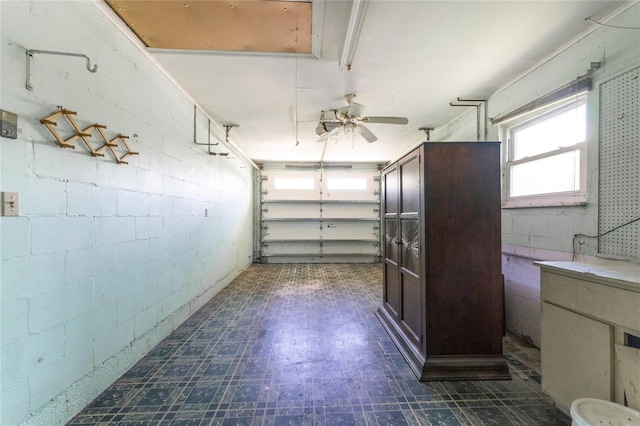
(485, 107)
(209, 144)
(476, 104)
(30, 53)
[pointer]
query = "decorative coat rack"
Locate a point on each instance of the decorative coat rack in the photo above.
(85, 135)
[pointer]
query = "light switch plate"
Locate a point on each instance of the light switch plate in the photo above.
(8, 124)
(10, 204)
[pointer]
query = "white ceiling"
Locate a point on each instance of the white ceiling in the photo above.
(413, 58)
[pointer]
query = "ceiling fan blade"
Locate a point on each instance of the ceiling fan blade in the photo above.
(329, 134)
(366, 133)
(385, 120)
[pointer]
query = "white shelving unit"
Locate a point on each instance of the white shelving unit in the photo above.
(318, 225)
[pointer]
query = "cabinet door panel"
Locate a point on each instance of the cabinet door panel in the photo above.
(576, 355)
(391, 239)
(391, 287)
(390, 201)
(412, 300)
(410, 185)
(410, 240)
(390, 191)
(412, 306)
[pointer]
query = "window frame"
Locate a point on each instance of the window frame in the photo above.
(550, 199)
(339, 184)
(295, 183)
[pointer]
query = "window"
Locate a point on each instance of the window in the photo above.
(357, 184)
(546, 157)
(294, 183)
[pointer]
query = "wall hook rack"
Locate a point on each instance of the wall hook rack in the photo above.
(84, 134)
(114, 143)
(31, 52)
(50, 122)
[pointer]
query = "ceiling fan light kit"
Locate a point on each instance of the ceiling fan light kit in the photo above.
(349, 128)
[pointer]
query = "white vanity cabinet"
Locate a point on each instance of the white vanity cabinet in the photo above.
(590, 320)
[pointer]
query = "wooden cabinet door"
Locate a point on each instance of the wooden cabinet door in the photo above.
(411, 288)
(390, 215)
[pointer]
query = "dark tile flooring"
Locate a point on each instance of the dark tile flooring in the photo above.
(300, 345)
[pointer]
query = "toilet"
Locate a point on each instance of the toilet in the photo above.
(596, 412)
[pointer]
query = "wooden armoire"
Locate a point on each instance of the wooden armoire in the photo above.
(443, 299)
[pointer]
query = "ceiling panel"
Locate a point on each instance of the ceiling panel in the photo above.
(238, 25)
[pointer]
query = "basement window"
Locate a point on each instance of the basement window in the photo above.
(347, 184)
(294, 183)
(546, 157)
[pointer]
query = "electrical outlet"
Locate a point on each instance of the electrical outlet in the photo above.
(10, 204)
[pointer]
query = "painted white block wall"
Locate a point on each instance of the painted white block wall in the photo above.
(105, 260)
(547, 233)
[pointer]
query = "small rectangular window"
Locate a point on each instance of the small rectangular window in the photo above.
(546, 157)
(294, 183)
(353, 184)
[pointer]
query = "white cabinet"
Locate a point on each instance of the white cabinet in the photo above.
(576, 355)
(588, 311)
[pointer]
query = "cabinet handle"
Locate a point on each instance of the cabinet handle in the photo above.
(398, 242)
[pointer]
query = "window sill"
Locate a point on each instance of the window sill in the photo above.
(530, 205)
(545, 201)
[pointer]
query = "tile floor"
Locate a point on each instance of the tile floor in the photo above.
(300, 345)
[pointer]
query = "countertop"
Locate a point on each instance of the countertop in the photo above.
(616, 273)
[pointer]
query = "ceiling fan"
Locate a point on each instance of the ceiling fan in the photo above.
(348, 120)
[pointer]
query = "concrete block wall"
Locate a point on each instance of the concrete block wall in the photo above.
(104, 260)
(522, 289)
(530, 234)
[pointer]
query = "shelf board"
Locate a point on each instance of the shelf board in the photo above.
(319, 254)
(319, 240)
(322, 201)
(319, 219)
